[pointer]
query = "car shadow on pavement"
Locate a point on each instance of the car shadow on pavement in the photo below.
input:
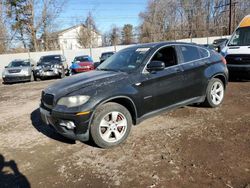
(238, 79)
(10, 176)
(46, 129)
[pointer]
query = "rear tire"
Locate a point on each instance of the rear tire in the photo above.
(111, 125)
(215, 93)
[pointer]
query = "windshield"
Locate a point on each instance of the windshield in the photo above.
(51, 59)
(241, 37)
(82, 59)
(125, 60)
(19, 64)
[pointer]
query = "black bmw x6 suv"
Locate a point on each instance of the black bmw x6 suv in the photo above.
(133, 84)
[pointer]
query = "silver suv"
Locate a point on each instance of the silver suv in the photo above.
(18, 71)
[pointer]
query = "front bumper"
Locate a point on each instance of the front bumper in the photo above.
(14, 79)
(47, 73)
(80, 70)
(81, 130)
(236, 69)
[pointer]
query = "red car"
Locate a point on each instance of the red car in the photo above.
(82, 64)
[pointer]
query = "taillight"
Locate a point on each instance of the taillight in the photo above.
(224, 60)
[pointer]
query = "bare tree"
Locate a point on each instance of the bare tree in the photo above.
(127, 34)
(88, 32)
(169, 19)
(27, 23)
(115, 35)
(51, 9)
(3, 32)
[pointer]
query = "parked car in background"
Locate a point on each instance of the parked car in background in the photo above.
(219, 44)
(18, 71)
(51, 66)
(105, 56)
(209, 46)
(132, 85)
(81, 64)
(237, 50)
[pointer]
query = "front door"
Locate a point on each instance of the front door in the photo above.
(165, 87)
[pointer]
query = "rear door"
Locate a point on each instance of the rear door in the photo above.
(194, 62)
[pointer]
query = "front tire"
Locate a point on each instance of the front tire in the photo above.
(111, 125)
(215, 93)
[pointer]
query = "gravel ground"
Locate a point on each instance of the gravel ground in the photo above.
(187, 147)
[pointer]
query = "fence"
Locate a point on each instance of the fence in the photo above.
(94, 52)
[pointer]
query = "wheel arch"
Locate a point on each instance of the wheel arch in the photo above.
(125, 101)
(222, 77)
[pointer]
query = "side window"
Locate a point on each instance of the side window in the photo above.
(190, 53)
(203, 52)
(166, 55)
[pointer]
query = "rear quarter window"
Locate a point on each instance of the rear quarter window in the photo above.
(190, 53)
(203, 52)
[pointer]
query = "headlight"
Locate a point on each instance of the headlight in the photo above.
(57, 66)
(3, 74)
(38, 67)
(25, 72)
(73, 101)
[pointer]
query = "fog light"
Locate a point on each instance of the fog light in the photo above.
(67, 124)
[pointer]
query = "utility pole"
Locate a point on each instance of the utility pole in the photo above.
(230, 17)
(230, 4)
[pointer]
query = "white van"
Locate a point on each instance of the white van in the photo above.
(237, 49)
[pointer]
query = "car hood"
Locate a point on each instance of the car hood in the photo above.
(84, 80)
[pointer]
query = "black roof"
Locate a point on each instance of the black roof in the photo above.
(157, 44)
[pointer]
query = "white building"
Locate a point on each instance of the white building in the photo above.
(68, 39)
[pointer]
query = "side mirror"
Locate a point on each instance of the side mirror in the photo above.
(6, 67)
(155, 66)
(32, 65)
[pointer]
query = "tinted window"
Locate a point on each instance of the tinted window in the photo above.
(190, 53)
(166, 55)
(56, 58)
(82, 58)
(203, 52)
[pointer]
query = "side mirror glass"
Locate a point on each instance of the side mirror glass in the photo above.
(155, 66)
